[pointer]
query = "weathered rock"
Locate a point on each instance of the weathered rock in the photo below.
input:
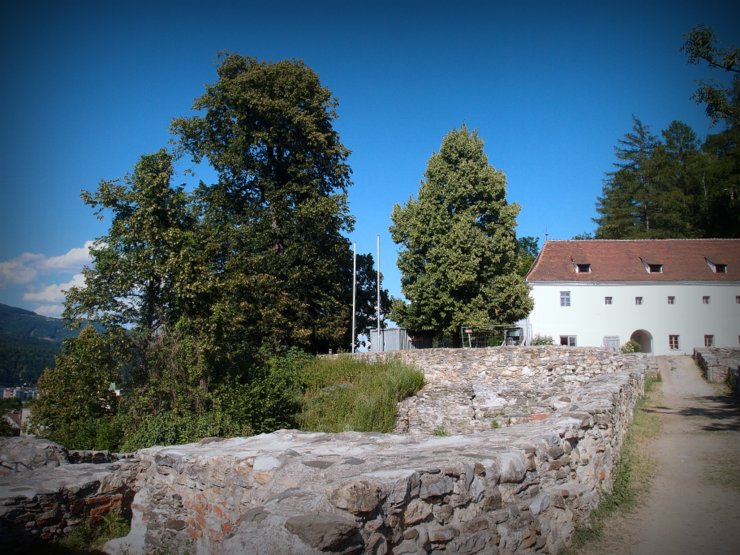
(25, 453)
(517, 489)
(324, 531)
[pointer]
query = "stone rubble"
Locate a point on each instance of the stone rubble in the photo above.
(520, 485)
(519, 489)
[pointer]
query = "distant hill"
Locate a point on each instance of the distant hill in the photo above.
(28, 343)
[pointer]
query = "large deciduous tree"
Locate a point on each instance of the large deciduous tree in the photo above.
(458, 255)
(279, 208)
(720, 106)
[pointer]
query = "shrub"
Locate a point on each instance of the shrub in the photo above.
(344, 394)
(631, 346)
(90, 536)
(539, 340)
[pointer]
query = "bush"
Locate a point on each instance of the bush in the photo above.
(90, 536)
(631, 346)
(540, 340)
(345, 394)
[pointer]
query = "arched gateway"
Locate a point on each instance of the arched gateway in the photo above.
(645, 339)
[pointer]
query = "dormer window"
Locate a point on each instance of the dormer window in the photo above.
(583, 268)
(716, 267)
(651, 267)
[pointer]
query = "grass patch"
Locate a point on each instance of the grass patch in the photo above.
(343, 393)
(89, 537)
(633, 472)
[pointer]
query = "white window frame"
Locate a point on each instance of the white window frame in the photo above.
(565, 298)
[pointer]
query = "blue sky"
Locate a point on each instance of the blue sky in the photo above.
(88, 87)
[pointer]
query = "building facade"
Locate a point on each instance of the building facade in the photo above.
(669, 295)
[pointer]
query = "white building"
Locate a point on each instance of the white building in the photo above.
(669, 295)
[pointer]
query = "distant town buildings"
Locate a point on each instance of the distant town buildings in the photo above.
(24, 393)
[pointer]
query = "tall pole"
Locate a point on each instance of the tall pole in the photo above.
(354, 292)
(380, 342)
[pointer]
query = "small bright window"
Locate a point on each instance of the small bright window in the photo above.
(717, 267)
(673, 342)
(705, 299)
(709, 341)
(638, 300)
(565, 298)
(607, 300)
(671, 299)
(568, 340)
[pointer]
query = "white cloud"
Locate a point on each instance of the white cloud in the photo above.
(25, 268)
(52, 296)
(71, 261)
(54, 293)
(50, 310)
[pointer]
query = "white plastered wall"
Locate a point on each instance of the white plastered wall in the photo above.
(590, 319)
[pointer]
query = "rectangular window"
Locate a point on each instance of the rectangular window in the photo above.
(568, 340)
(705, 299)
(655, 268)
(583, 268)
(638, 300)
(607, 300)
(709, 341)
(737, 299)
(673, 342)
(671, 299)
(565, 298)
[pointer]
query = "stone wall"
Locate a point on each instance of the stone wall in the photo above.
(46, 495)
(521, 488)
(472, 390)
(717, 362)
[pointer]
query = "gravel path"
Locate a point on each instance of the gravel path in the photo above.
(693, 506)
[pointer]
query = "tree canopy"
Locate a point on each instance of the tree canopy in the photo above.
(279, 209)
(201, 293)
(458, 255)
(721, 102)
(671, 186)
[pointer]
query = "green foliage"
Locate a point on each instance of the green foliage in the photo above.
(366, 296)
(345, 394)
(440, 432)
(539, 340)
(527, 251)
(668, 187)
(631, 346)
(276, 218)
(76, 390)
(701, 45)
(90, 536)
(458, 255)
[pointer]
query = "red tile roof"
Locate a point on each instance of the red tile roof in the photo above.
(626, 260)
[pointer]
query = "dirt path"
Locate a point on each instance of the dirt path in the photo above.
(693, 506)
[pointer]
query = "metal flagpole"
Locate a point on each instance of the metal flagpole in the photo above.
(354, 292)
(381, 343)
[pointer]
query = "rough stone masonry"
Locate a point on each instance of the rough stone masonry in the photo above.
(536, 436)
